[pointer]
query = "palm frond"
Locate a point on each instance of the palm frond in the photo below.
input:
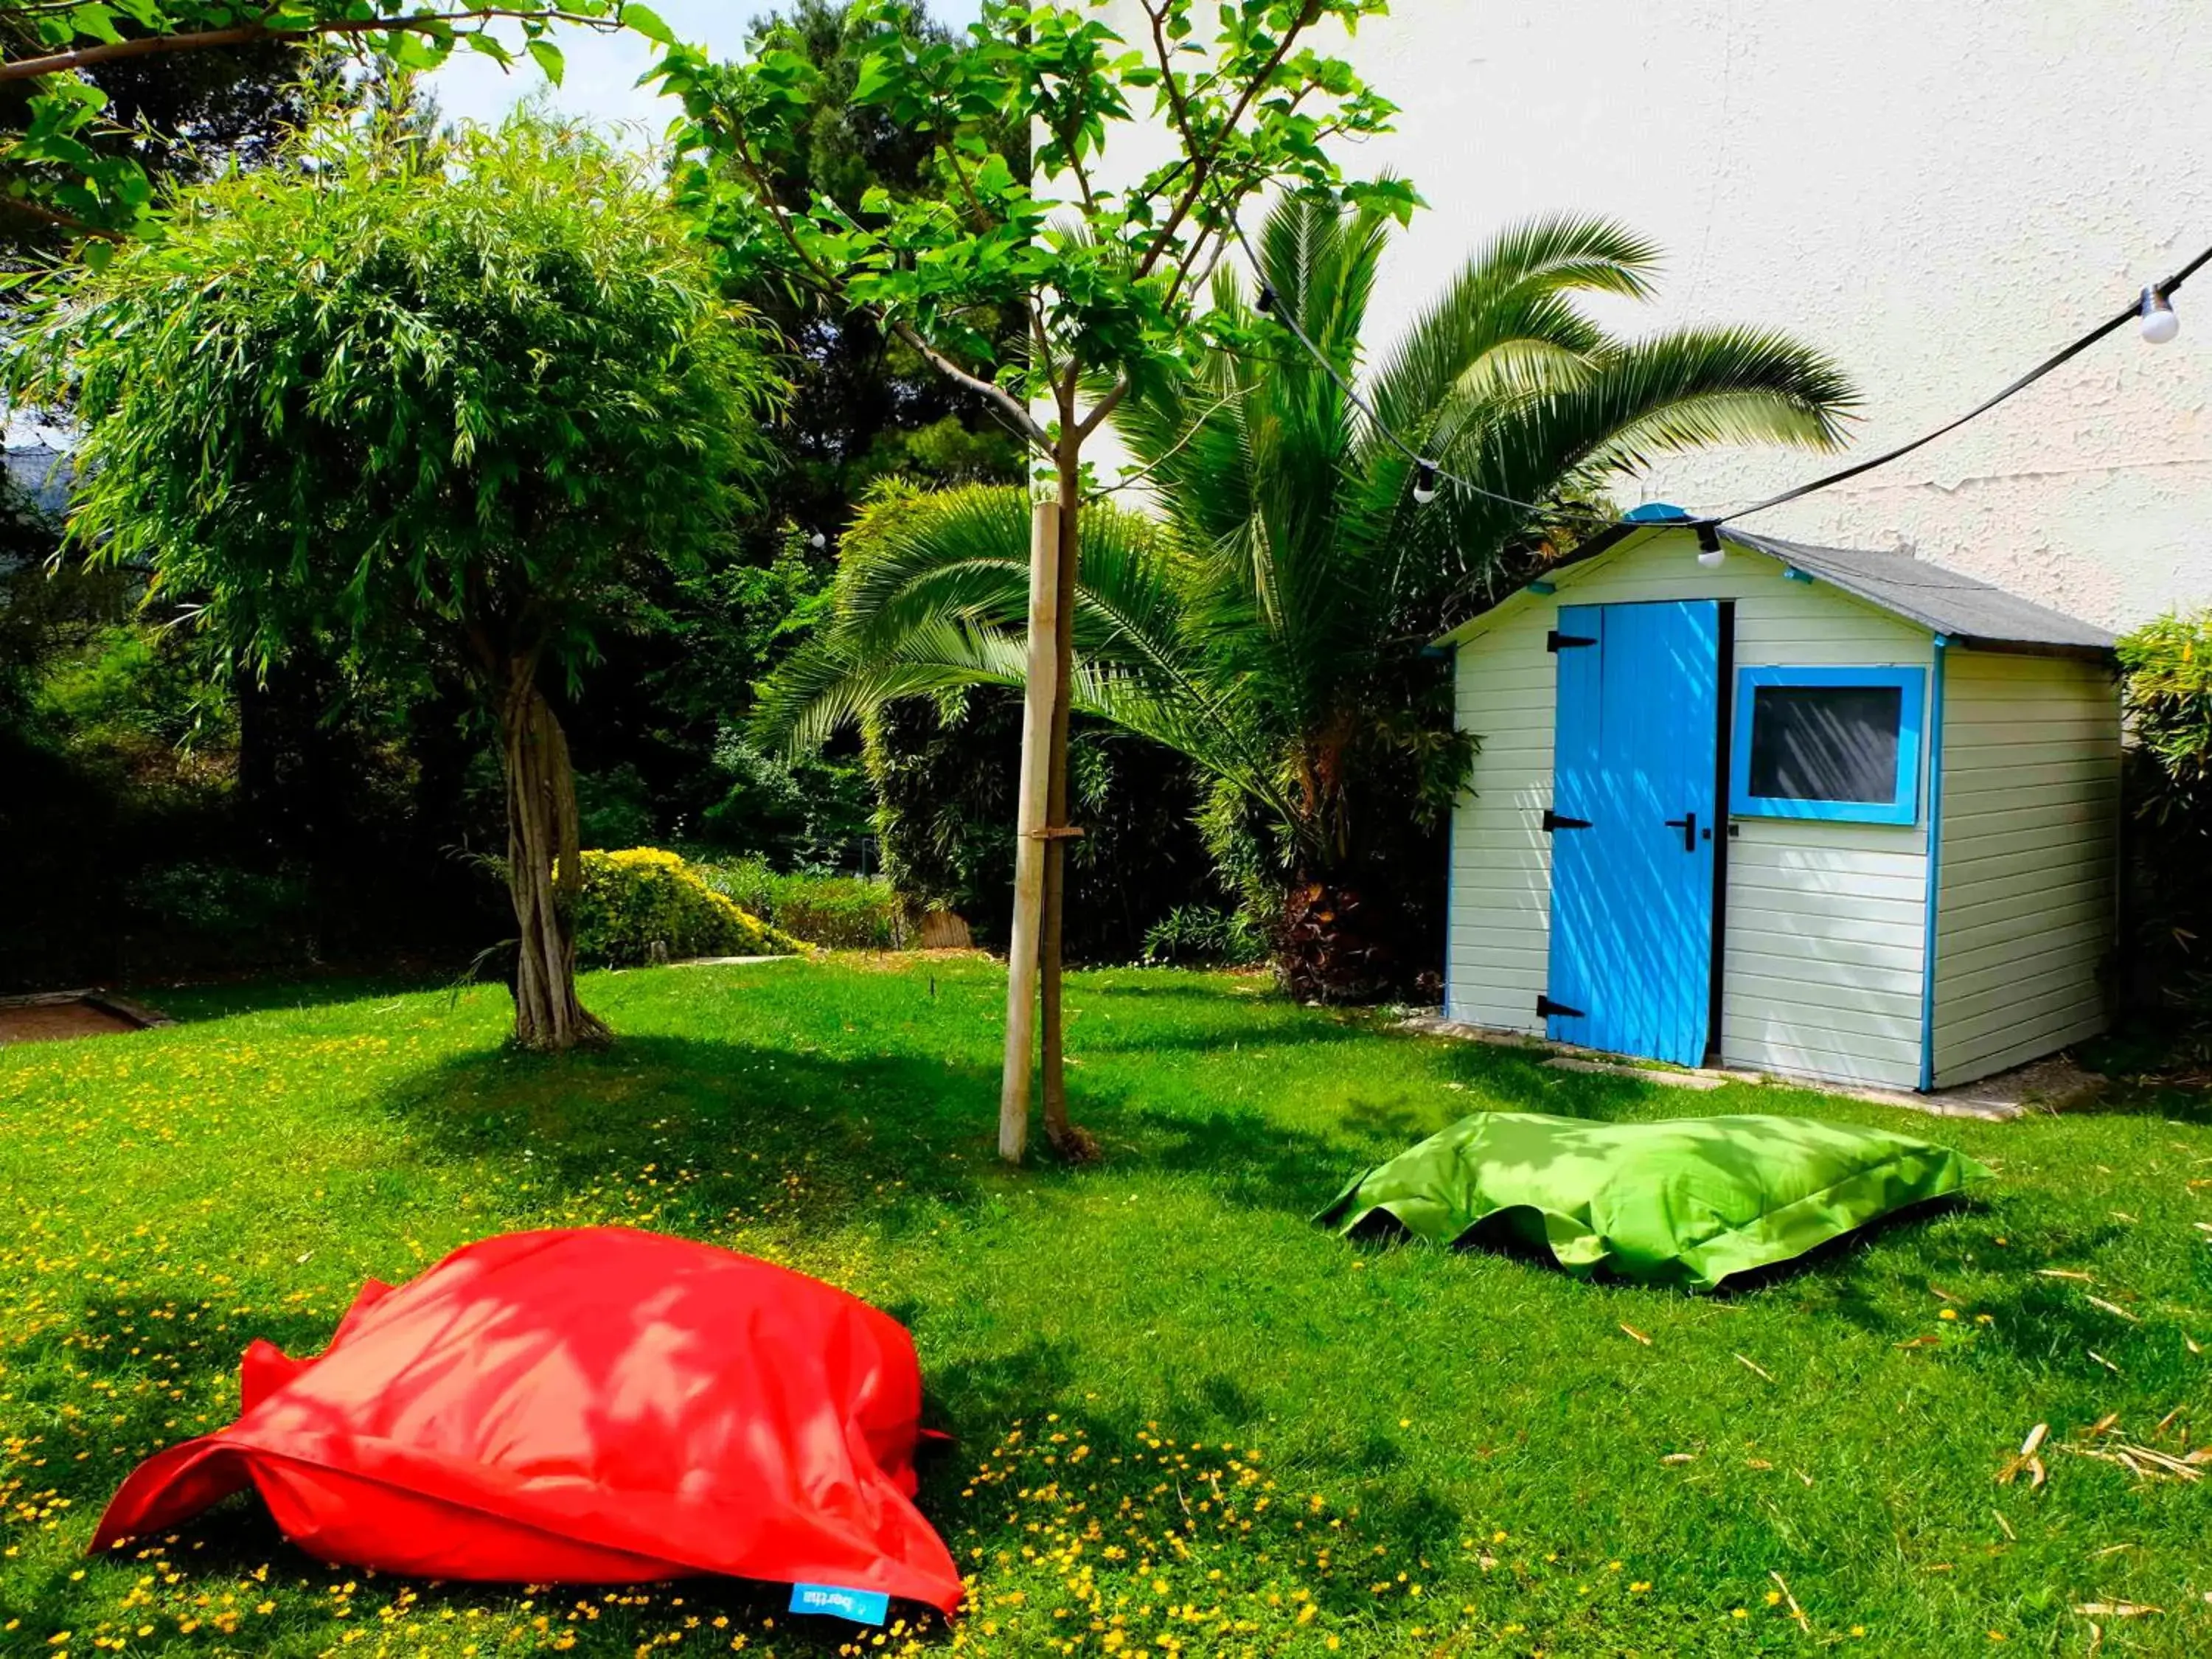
(1645, 399)
(1693, 388)
(832, 683)
(1267, 627)
(1514, 292)
(933, 596)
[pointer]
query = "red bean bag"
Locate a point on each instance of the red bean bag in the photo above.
(592, 1405)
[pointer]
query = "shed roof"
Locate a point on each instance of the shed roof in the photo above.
(1967, 610)
(1973, 613)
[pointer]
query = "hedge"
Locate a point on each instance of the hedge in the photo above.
(643, 905)
(846, 912)
(2167, 664)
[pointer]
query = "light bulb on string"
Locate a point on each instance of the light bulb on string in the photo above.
(2159, 324)
(1710, 554)
(1424, 481)
(1266, 301)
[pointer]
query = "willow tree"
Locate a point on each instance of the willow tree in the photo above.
(428, 406)
(1104, 267)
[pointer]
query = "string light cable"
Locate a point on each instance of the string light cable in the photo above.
(2153, 310)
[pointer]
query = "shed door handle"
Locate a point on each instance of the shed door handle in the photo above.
(1687, 824)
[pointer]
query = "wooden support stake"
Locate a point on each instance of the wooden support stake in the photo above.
(1030, 831)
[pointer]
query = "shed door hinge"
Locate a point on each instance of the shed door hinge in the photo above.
(1553, 821)
(1555, 641)
(1545, 1008)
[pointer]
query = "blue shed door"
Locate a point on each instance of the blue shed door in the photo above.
(1634, 811)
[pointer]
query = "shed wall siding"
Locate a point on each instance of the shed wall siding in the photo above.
(2031, 813)
(1825, 921)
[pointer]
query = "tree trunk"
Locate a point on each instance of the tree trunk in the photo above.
(1324, 952)
(1068, 1141)
(543, 869)
(1033, 792)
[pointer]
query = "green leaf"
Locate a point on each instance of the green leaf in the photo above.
(647, 22)
(96, 20)
(412, 50)
(548, 59)
(875, 74)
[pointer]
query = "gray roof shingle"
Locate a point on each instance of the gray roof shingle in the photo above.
(1969, 610)
(1963, 609)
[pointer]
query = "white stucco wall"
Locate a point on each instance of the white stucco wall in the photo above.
(1937, 196)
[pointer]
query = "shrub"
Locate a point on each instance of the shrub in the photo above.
(944, 779)
(2168, 664)
(845, 913)
(635, 901)
(1199, 934)
(198, 915)
(614, 808)
(2168, 692)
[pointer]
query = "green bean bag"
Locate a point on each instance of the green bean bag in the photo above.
(1689, 1201)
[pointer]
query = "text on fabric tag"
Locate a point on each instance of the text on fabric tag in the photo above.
(861, 1607)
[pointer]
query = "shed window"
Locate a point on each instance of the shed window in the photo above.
(1828, 743)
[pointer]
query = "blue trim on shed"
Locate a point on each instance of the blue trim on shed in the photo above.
(1452, 862)
(1934, 867)
(1903, 804)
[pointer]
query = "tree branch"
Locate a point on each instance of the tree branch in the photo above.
(952, 371)
(56, 217)
(1105, 406)
(77, 58)
(1202, 160)
(1024, 423)
(1043, 364)
(1193, 426)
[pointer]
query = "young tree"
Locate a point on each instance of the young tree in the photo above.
(1106, 277)
(410, 401)
(62, 164)
(1269, 625)
(669, 710)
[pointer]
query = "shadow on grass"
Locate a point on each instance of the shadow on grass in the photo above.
(1098, 1037)
(727, 1130)
(222, 1000)
(711, 1129)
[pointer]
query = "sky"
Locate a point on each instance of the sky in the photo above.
(600, 84)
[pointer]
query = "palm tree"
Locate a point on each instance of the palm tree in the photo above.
(1269, 623)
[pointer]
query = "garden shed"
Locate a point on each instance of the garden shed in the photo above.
(1823, 813)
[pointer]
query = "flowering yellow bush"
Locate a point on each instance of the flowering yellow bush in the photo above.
(635, 900)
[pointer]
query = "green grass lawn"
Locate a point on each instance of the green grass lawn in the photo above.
(1187, 1420)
